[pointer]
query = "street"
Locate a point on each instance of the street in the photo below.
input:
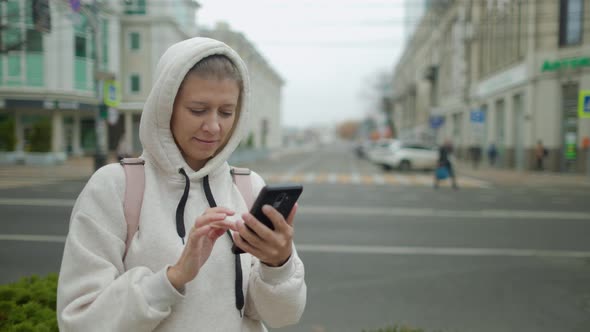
(385, 248)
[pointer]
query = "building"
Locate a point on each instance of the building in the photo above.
(505, 72)
(148, 28)
(50, 72)
(266, 88)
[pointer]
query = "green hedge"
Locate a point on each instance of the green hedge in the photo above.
(7, 134)
(29, 305)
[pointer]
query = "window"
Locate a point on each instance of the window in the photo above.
(135, 7)
(134, 41)
(135, 83)
(34, 41)
(80, 46)
(570, 22)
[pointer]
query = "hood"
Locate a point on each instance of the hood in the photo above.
(155, 135)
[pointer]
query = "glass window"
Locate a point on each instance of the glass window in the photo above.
(80, 46)
(135, 83)
(135, 40)
(34, 41)
(12, 39)
(135, 7)
(570, 22)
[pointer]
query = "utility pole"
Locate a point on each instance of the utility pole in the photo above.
(100, 155)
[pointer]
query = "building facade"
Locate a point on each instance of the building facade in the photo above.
(266, 88)
(508, 73)
(51, 79)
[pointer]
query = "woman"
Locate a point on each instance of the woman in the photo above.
(172, 279)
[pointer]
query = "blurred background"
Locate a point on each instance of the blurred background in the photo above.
(355, 99)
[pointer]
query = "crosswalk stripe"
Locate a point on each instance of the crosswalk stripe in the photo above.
(354, 178)
(419, 180)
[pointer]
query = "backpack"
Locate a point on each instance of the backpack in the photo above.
(135, 185)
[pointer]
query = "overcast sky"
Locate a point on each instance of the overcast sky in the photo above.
(326, 50)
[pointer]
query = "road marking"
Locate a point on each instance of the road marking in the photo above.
(426, 212)
(56, 202)
(438, 251)
(381, 250)
(367, 211)
(32, 238)
(372, 179)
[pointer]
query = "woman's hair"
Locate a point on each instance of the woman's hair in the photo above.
(219, 67)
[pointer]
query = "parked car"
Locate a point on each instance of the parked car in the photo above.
(380, 149)
(405, 156)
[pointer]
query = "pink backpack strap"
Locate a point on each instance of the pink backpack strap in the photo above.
(134, 187)
(241, 177)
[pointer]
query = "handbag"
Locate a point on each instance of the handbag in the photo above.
(442, 172)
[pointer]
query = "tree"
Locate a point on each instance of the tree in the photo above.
(378, 96)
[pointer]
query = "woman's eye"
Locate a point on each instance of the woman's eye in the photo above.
(197, 112)
(227, 114)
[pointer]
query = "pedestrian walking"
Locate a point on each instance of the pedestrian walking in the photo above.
(445, 166)
(179, 273)
(492, 154)
(540, 154)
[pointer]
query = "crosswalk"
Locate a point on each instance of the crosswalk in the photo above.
(13, 178)
(411, 180)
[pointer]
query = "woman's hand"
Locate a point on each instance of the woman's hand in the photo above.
(273, 248)
(201, 238)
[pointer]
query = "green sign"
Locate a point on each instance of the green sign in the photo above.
(111, 93)
(572, 63)
(584, 104)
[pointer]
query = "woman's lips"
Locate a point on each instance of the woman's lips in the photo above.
(206, 142)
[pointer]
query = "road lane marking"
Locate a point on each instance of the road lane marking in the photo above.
(366, 211)
(381, 250)
(426, 212)
(32, 238)
(439, 251)
(55, 202)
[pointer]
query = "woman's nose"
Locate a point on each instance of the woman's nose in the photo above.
(212, 124)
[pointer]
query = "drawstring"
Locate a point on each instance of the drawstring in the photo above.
(238, 264)
(180, 208)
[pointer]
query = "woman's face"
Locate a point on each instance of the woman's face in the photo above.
(202, 118)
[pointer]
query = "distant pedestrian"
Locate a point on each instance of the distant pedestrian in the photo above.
(492, 154)
(444, 160)
(540, 154)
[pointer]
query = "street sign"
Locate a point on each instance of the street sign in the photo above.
(478, 116)
(436, 121)
(111, 93)
(584, 104)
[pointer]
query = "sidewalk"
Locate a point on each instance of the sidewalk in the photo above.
(511, 177)
(72, 168)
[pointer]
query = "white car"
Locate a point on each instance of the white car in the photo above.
(405, 156)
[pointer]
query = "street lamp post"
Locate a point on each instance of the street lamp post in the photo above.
(100, 154)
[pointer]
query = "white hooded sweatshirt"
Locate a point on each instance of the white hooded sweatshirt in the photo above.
(98, 290)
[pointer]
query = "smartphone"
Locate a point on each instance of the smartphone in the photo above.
(280, 196)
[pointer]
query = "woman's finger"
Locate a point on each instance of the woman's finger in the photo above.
(247, 247)
(251, 237)
(209, 218)
(257, 227)
(291, 216)
(275, 217)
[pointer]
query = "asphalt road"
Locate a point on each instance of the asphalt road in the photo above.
(483, 258)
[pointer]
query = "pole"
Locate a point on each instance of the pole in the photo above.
(100, 154)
